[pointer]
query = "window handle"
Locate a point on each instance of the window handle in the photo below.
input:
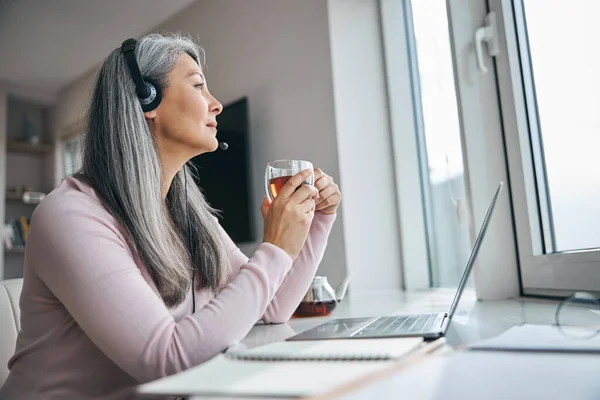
(489, 34)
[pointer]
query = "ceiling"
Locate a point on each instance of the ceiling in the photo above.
(45, 44)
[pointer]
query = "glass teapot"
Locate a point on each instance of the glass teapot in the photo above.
(321, 299)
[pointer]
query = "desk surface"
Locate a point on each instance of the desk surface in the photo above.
(474, 320)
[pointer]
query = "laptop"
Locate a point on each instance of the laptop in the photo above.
(429, 326)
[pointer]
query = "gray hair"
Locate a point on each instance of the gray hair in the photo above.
(122, 164)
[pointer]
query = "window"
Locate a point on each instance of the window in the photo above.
(524, 112)
(439, 107)
(549, 84)
(563, 109)
(72, 153)
(439, 128)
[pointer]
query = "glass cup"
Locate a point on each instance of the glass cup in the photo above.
(278, 172)
(578, 316)
(319, 301)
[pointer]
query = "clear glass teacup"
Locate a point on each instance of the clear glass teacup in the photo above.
(321, 299)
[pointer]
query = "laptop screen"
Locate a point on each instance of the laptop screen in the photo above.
(478, 240)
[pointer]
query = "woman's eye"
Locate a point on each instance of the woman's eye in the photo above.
(199, 85)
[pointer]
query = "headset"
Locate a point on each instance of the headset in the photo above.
(150, 95)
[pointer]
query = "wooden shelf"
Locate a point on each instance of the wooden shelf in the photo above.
(24, 147)
(19, 199)
(13, 197)
(15, 250)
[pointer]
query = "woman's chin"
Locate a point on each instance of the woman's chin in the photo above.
(204, 147)
(207, 146)
(215, 145)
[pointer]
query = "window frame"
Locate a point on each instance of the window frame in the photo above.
(406, 146)
(65, 143)
(557, 274)
(73, 132)
(496, 269)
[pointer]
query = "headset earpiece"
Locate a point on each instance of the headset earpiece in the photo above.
(147, 90)
(153, 100)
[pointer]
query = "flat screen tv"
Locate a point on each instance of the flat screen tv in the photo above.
(224, 175)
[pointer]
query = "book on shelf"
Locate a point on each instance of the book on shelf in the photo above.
(15, 233)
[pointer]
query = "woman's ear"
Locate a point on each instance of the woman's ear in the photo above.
(150, 114)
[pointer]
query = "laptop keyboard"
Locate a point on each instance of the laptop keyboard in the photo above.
(400, 324)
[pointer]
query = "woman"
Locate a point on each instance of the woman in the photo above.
(107, 295)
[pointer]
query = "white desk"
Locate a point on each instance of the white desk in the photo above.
(489, 375)
(473, 321)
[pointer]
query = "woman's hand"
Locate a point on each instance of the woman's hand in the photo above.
(329, 193)
(288, 217)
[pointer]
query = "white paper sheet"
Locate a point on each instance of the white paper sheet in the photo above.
(538, 338)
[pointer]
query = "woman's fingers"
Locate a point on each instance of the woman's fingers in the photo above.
(308, 205)
(333, 200)
(292, 184)
(304, 192)
(318, 174)
(264, 208)
(323, 181)
(326, 193)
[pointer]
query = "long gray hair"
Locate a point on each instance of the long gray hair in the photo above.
(122, 164)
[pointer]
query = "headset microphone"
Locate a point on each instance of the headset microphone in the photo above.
(223, 146)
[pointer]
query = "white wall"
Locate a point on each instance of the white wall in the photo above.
(371, 233)
(276, 53)
(72, 103)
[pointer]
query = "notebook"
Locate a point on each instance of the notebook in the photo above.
(338, 350)
(285, 369)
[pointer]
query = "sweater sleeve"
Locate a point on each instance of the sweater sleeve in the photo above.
(299, 278)
(85, 261)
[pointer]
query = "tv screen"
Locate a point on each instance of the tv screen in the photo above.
(224, 175)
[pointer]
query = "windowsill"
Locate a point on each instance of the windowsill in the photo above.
(473, 320)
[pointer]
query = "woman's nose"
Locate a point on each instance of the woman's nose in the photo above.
(216, 107)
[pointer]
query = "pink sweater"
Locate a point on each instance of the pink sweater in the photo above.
(92, 323)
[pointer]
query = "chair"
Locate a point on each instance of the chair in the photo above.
(10, 323)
